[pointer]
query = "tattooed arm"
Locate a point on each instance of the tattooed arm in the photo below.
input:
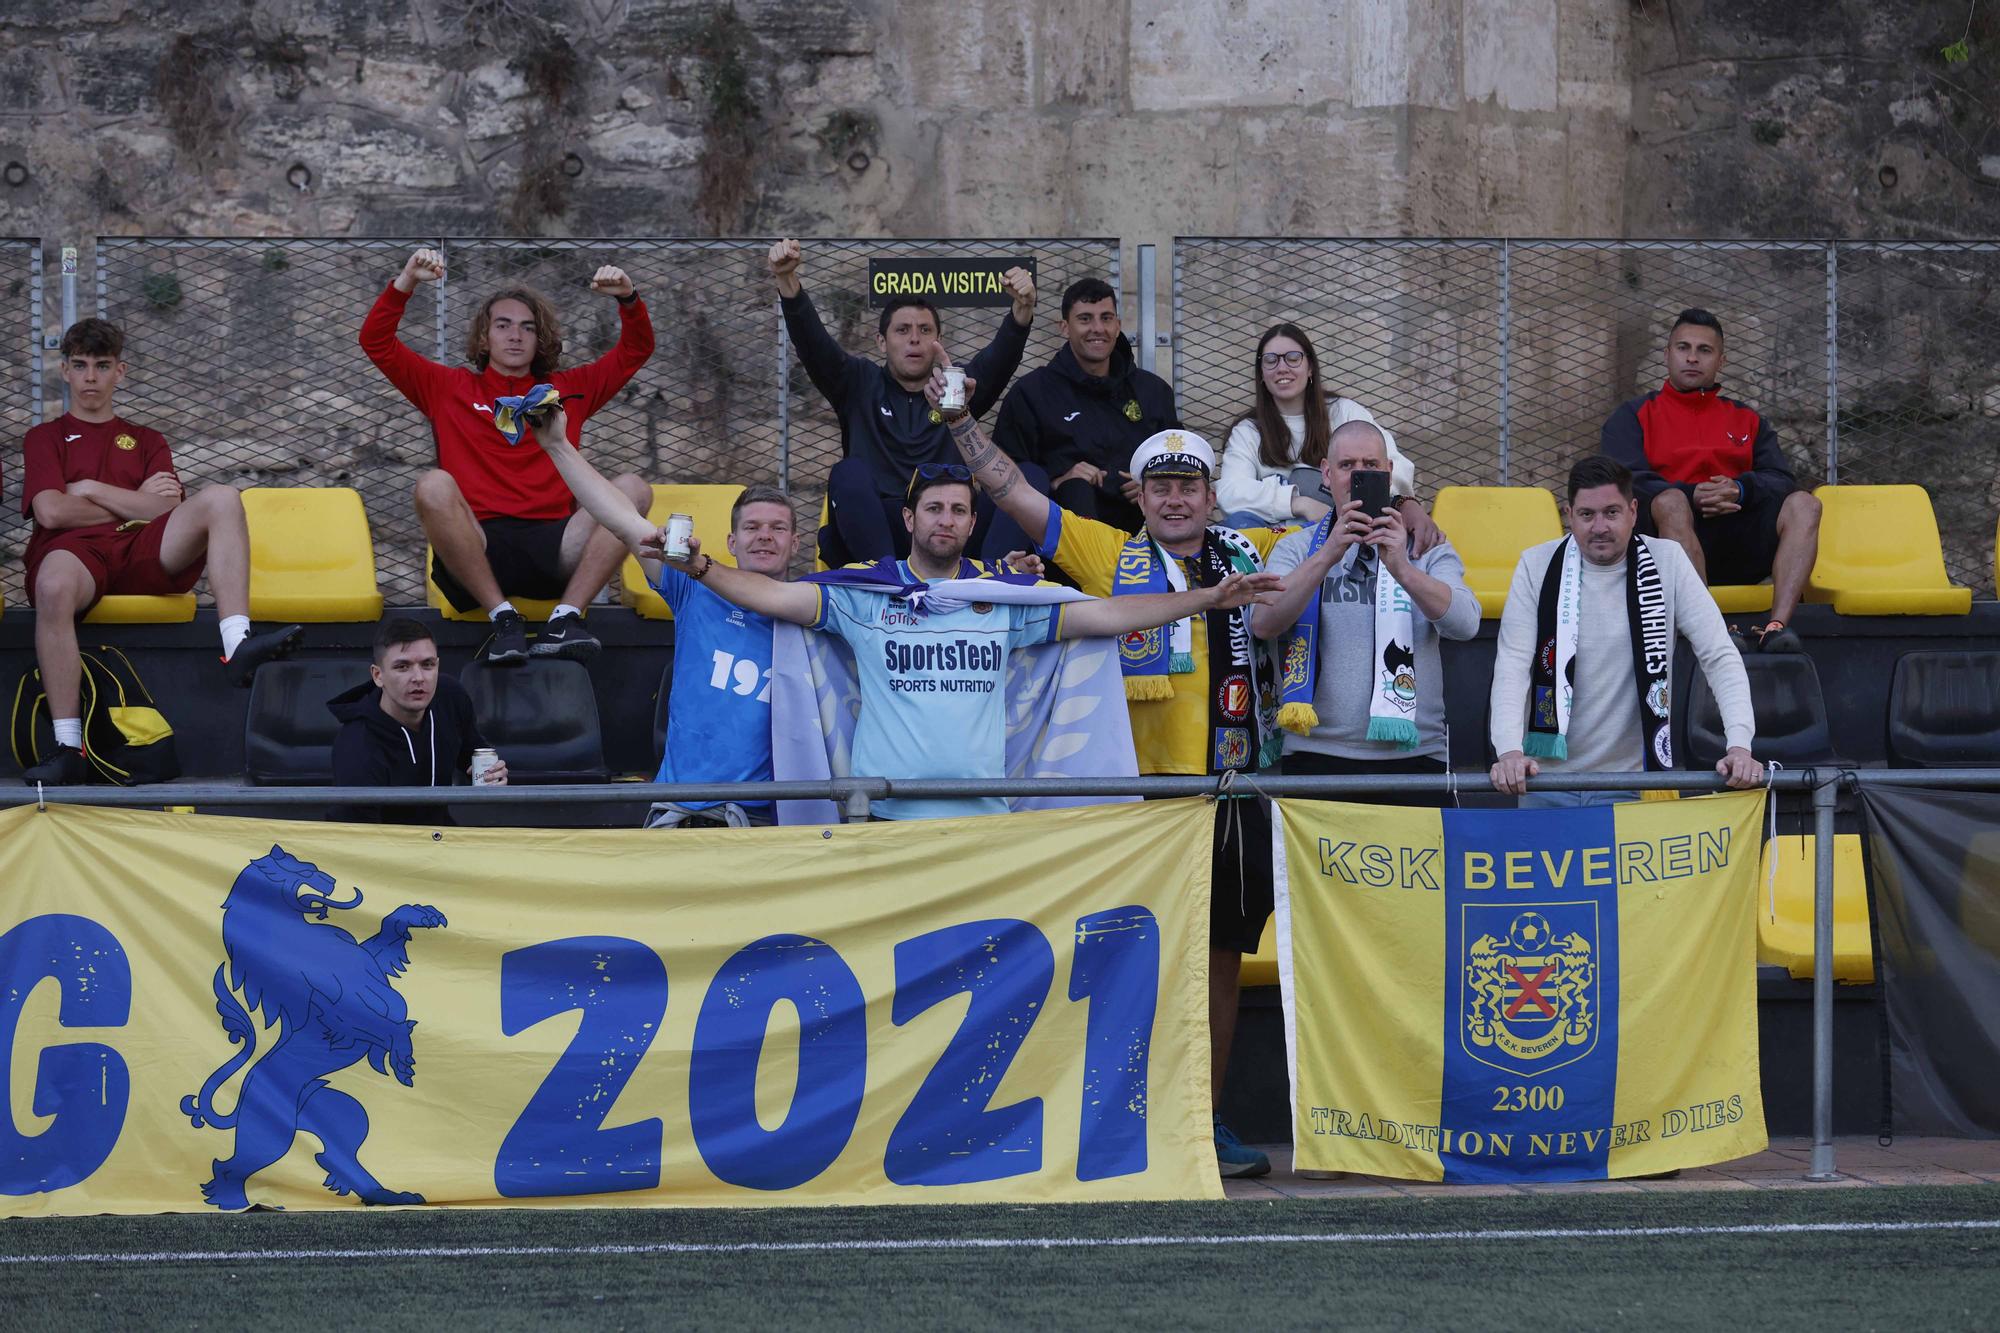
(994, 471)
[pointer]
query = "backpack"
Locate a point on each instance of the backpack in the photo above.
(125, 737)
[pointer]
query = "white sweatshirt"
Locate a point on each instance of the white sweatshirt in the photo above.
(1247, 486)
(1604, 732)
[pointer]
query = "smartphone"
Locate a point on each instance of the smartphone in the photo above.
(1372, 489)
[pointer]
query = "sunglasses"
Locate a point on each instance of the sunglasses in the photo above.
(927, 472)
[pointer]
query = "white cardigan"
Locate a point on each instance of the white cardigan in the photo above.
(1247, 486)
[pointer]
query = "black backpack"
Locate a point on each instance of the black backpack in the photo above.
(125, 736)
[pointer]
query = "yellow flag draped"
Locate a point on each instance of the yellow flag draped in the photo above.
(202, 1012)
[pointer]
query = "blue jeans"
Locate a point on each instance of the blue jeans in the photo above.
(1571, 800)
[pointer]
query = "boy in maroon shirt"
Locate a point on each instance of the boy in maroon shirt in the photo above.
(111, 517)
(498, 514)
(1708, 473)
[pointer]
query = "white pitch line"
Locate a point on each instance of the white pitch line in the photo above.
(995, 1243)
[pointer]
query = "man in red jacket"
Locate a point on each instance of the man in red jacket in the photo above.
(497, 514)
(111, 516)
(1708, 473)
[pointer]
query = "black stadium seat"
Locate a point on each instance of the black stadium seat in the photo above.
(1791, 714)
(542, 718)
(288, 733)
(1944, 710)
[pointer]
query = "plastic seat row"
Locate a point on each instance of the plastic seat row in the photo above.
(312, 559)
(1879, 549)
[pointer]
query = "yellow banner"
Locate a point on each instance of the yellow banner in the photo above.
(1521, 995)
(1010, 1007)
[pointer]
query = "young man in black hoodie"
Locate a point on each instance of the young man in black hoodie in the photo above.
(410, 727)
(1081, 416)
(887, 426)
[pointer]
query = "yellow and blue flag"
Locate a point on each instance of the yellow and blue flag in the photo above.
(1505, 995)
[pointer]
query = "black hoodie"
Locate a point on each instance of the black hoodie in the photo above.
(1061, 415)
(375, 750)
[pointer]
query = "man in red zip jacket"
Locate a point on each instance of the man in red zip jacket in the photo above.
(1708, 473)
(498, 514)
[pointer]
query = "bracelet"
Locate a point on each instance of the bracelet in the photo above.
(626, 300)
(707, 563)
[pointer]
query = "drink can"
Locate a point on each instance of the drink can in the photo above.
(483, 760)
(680, 527)
(954, 389)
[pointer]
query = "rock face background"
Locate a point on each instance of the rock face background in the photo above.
(1081, 118)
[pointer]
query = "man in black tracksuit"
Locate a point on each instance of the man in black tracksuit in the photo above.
(1080, 417)
(887, 428)
(410, 726)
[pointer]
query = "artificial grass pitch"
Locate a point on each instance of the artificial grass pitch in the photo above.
(1432, 1262)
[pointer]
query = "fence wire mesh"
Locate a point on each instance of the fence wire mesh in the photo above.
(244, 352)
(21, 396)
(1498, 361)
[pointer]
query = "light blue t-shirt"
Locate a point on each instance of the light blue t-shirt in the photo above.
(719, 709)
(933, 689)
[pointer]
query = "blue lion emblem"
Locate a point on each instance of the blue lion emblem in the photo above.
(335, 1002)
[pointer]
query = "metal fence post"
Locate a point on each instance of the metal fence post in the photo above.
(1832, 362)
(1144, 296)
(437, 306)
(1823, 795)
(784, 401)
(1174, 329)
(1506, 358)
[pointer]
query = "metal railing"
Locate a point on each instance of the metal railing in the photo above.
(1496, 361)
(854, 796)
(245, 353)
(21, 404)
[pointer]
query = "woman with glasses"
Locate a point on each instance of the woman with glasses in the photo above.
(1288, 428)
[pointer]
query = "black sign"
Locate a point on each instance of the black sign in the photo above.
(943, 282)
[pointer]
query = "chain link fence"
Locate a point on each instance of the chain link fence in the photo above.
(22, 394)
(244, 352)
(1496, 362)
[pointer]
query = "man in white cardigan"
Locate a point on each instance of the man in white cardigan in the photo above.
(1583, 668)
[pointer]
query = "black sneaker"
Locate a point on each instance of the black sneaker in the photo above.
(1778, 637)
(258, 649)
(509, 646)
(65, 768)
(565, 637)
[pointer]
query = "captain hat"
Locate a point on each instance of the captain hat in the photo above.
(1173, 453)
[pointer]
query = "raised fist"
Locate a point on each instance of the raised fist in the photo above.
(422, 266)
(611, 281)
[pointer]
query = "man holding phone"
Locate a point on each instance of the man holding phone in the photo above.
(1359, 626)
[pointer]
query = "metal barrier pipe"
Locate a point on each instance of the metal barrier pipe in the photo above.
(1823, 794)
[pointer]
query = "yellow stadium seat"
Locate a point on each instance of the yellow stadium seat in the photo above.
(1787, 939)
(709, 507)
(531, 608)
(1261, 968)
(1880, 555)
(125, 609)
(311, 557)
(1737, 598)
(1489, 527)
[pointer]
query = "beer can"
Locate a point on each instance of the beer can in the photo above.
(680, 527)
(483, 760)
(954, 390)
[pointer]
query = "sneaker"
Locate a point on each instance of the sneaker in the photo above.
(509, 645)
(1778, 637)
(65, 768)
(258, 649)
(565, 637)
(1235, 1159)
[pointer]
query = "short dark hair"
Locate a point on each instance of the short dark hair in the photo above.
(758, 495)
(1089, 291)
(1599, 470)
(1698, 317)
(903, 303)
(399, 630)
(93, 337)
(928, 476)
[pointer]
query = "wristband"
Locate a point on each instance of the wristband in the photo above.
(625, 300)
(707, 563)
(1742, 491)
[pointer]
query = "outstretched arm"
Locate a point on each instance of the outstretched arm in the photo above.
(602, 500)
(994, 471)
(1122, 615)
(796, 602)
